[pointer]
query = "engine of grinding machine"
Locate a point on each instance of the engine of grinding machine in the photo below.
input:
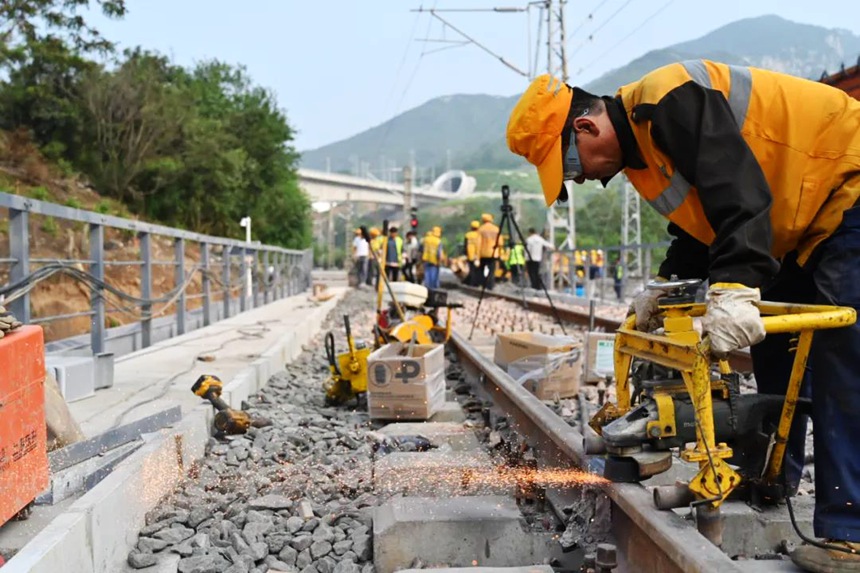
(639, 443)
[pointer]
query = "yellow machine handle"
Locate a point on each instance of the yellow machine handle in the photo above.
(782, 317)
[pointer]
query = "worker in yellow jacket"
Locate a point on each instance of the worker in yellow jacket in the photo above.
(759, 174)
(432, 257)
(472, 243)
(374, 261)
(489, 249)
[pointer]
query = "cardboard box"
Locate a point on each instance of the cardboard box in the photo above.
(512, 346)
(558, 377)
(521, 353)
(401, 387)
(599, 356)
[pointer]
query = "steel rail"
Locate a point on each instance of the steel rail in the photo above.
(649, 540)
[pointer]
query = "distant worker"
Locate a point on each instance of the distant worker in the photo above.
(472, 243)
(411, 256)
(490, 241)
(376, 249)
(432, 257)
(517, 263)
(580, 257)
(360, 253)
(618, 276)
(595, 257)
(535, 244)
(393, 254)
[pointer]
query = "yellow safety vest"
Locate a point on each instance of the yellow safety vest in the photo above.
(398, 241)
(432, 250)
(473, 243)
(805, 136)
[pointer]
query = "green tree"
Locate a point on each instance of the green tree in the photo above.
(25, 24)
(135, 114)
(39, 96)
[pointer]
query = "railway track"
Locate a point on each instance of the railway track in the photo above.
(647, 539)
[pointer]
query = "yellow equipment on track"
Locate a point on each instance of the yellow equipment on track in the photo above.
(348, 379)
(674, 398)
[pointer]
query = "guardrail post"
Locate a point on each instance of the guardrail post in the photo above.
(282, 291)
(268, 277)
(19, 249)
(146, 289)
(179, 281)
(243, 272)
(206, 284)
(97, 301)
(225, 277)
(255, 279)
(291, 277)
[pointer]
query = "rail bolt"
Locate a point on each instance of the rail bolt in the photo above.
(606, 558)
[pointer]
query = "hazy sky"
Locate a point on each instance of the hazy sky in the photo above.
(339, 67)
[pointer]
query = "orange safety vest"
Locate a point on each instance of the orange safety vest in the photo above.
(803, 134)
(489, 233)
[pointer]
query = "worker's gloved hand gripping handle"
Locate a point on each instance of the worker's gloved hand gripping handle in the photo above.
(644, 306)
(732, 319)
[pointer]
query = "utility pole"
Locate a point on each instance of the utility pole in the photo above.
(347, 231)
(631, 231)
(559, 217)
(330, 261)
(407, 192)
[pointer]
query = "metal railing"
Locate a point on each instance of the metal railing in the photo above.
(266, 272)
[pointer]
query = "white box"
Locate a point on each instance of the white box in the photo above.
(599, 356)
(75, 375)
(406, 293)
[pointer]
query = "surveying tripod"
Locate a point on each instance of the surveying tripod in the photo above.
(508, 219)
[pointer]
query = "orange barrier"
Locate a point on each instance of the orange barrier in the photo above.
(23, 455)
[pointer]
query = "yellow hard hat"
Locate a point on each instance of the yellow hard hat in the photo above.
(534, 130)
(475, 224)
(437, 231)
(374, 232)
(486, 218)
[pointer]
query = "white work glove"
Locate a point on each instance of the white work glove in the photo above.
(732, 319)
(644, 306)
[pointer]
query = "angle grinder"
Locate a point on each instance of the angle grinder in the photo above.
(227, 419)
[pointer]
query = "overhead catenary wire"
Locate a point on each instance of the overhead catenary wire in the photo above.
(589, 18)
(627, 37)
(600, 27)
(403, 93)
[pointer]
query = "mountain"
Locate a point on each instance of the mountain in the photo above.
(472, 126)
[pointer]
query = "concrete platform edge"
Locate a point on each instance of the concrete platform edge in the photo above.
(97, 531)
